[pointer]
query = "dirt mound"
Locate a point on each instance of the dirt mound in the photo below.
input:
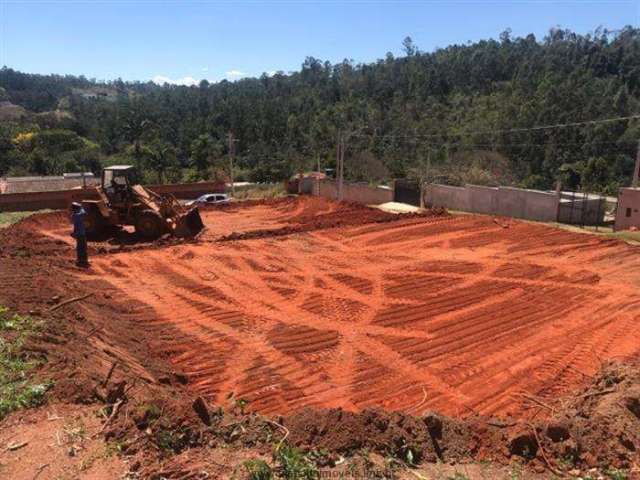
(430, 438)
(600, 425)
(23, 239)
(597, 427)
(330, 215)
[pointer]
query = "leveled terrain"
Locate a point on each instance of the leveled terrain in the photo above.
(460, 314)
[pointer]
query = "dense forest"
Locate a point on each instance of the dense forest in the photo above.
(457, 114)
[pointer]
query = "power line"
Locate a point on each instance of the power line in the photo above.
(507, 145)
(512, 130)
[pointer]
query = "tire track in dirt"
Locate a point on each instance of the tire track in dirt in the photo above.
(370, 315)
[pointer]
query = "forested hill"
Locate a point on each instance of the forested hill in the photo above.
(440, 114)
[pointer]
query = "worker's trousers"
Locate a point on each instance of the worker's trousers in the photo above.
(81, 251)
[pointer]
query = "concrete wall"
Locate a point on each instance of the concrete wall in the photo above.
(504, 201)
(483, 199)
(44, 184)
(353, 192)
(188, 191)
(628, 213)
(453, 198)
(25, 202)
(542, 206)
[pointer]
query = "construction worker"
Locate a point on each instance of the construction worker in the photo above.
(79, 233)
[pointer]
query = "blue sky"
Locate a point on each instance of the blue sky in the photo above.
(195, 39)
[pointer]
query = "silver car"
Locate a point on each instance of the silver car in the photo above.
(210, 199)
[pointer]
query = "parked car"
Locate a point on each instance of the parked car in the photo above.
(210, 199)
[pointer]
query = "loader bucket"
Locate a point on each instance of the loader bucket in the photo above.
(188, 224)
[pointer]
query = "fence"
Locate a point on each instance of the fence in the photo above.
(354, 192)
(24, 202)
(579, 208)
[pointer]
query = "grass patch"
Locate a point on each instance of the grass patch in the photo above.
(294, 465)
(9, 218)
(258, 470)
(256, 192)
(16, 388)
(627, 236)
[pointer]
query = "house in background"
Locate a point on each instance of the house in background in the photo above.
(628, 213)
(67, 181)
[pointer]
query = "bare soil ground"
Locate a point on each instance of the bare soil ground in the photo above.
(313, 313)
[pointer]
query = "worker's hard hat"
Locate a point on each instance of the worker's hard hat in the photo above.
(76, 205)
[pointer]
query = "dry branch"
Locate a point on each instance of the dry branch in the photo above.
(71, 300)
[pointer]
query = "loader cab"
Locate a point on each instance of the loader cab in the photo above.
(117, 182)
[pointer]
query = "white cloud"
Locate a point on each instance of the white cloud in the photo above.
(235, 74)
(186, 81)
(271, 73)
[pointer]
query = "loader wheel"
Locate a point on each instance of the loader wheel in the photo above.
(149, 225)
(94, 223)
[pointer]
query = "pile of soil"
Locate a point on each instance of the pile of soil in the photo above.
(344, 214)
(598, 427)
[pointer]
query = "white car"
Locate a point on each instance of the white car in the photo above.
(210, 199)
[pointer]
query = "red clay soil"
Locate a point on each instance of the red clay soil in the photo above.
(456, 314)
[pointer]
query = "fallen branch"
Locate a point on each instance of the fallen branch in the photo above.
(554, 470)
(67, 302)
(595, 394)
(106, 380)
(114, 412)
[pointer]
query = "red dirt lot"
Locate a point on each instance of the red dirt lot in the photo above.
(309, 303)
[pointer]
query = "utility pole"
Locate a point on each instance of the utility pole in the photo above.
(636, 171)
(232, 148)
(340, 164)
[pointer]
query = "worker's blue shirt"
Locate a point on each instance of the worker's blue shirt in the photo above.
(78, 223)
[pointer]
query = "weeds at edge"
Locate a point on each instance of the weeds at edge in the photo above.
(16, 387)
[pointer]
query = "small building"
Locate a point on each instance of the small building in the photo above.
(628, 213)
(67, 181)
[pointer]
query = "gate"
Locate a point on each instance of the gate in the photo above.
(583, 209)
(407, 191)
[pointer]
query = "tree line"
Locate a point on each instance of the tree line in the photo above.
(447, 115)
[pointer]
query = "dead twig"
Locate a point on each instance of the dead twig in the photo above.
(424, 399)
(106, 380)
(536, 401)
(16, 445)
(40, 470)
(282, 427)
(595, 394)
(67, 302)
(502, 424)
(553, 469)
(114, 412)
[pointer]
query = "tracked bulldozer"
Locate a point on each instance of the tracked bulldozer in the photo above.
(122, 201)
